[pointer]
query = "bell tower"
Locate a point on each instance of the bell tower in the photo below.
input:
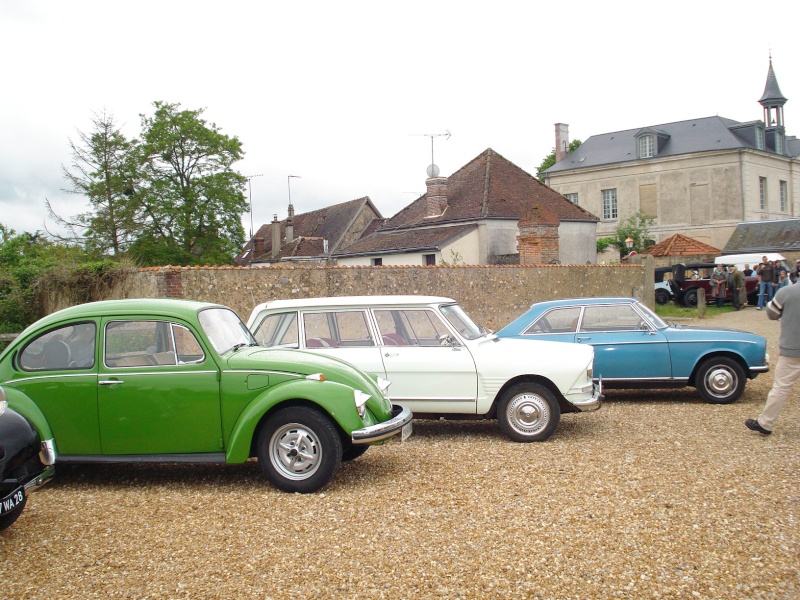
(773, 100)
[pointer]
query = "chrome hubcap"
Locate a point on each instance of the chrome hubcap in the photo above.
(295, 451)
(720, 381)
(528, 413)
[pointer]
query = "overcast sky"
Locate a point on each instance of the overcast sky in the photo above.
(339, 93)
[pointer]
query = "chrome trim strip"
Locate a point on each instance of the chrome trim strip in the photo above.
(381, 431)
(664, 379)
(199, 458)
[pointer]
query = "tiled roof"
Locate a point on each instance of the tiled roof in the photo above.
(407, 240)
(765, 236)
(681, 245)
(490, 186)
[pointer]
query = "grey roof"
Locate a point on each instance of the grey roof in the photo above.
(764, 236)
(772, 93)
(685, 137)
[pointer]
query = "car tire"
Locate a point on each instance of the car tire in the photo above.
(7, 520)
(354, 451)
(690, 298)
(720, 380)
(662, 297)
(299, 449)
(528, 412)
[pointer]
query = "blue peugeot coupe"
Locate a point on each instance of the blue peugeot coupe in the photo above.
(634, 348)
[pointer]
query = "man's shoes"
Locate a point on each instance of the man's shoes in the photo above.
(759, 308)
(753, 424)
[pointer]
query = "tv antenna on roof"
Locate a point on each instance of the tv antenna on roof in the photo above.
(433, 170)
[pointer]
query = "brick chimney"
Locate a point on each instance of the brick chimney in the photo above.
(538, 241)
(562, 141)
(276, 235)
(436, 197)
(290, 225)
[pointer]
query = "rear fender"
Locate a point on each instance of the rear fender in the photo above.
(333, 399)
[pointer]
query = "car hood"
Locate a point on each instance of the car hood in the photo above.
(304, 363)
(680, 333)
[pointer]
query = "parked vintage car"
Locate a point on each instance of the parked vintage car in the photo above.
(182, 381)
(441, 364)
(687, 279)
(634, 348)
(25, 463)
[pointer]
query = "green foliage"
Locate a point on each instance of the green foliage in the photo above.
(550, 159)
(604, 243)
(636, 227)
(455, 259)
(32, 267)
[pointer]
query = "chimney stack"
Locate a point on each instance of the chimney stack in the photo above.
(290, 225)
(562, 141)
(276, 236)
(436, 197)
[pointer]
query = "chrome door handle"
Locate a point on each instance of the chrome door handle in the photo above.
(110, 382)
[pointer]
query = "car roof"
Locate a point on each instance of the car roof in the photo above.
(579, 301)
(169, 307)
(344, 301)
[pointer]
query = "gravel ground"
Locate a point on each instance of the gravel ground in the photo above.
(657, 495)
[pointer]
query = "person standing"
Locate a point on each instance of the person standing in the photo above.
(747, 271)
(719, 281)
(795, 274)
(786, 307)
(766, 274)
(778, 268)
(736, 284)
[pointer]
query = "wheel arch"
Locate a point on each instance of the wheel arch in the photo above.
(563, 404)
(719, 354)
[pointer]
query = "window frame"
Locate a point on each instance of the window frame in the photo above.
(762, 192)
(609, 204)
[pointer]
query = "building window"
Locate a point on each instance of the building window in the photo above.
(784, 196)
(377, 262)
(647, 146)
(572, 197)
(610, 204)
(762, 192)
(759, 138)
(778, 142)
(429, 259)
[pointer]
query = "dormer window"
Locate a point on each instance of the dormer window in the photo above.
(778, 142)
(649, 142)
(647, 146)
(759, 138)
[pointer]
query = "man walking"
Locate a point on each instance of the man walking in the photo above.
(766, 275)
(786, 307)
(735, 283)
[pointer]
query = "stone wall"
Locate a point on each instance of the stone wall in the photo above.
(493, 295)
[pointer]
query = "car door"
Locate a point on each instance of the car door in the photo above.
(58, 371)
(428, 373)
(158, 390)
(626, 345)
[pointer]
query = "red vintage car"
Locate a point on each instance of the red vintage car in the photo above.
(688, 279)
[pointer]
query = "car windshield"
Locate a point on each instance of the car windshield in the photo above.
(225, 329)
(657, 322)
(456, 316)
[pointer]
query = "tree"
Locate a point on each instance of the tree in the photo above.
(104, 170)
(190, 196)
(636, 227)
(550, 159)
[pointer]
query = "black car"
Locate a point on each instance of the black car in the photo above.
(687, 279)
(21, 462)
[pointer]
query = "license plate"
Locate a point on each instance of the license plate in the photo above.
(405, 433)
(11, 501)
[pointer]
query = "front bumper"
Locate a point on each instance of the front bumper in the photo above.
(593, 403)
(401, 418)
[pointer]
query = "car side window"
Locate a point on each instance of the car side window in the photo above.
(616, 317)
(559, 320)
(70, 347)
(410, 327)
(278, 330)
(333, 329)
(150, 343)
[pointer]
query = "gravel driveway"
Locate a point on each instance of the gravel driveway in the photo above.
(657, 495)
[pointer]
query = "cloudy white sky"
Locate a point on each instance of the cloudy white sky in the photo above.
(338, 92)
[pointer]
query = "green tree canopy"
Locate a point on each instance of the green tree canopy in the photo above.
(550, 159)
(190, 196)
(637, 227)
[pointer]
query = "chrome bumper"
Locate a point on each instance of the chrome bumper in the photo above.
(40, 479)
(401, 416)
(593, 403)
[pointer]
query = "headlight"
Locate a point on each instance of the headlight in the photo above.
(361, 401)
(384, 384)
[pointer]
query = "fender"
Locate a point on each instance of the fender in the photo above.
(28, 409)
(337, 395)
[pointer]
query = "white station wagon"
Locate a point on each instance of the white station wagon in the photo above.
(441, 364)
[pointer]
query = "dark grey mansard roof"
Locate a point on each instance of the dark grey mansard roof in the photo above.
(772, 93)
(696, 135)
(765, 236)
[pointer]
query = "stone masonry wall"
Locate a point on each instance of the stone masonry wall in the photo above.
(493, 295)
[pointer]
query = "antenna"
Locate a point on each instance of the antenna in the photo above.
(250, 189)
(289, 185)
(433, 170)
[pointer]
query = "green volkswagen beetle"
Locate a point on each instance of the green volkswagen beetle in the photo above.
(156, 380)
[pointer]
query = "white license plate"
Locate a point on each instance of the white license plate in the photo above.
(11, 501)
(405, 433)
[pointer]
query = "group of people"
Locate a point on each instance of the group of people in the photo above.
(772, 276)
(728, 278)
